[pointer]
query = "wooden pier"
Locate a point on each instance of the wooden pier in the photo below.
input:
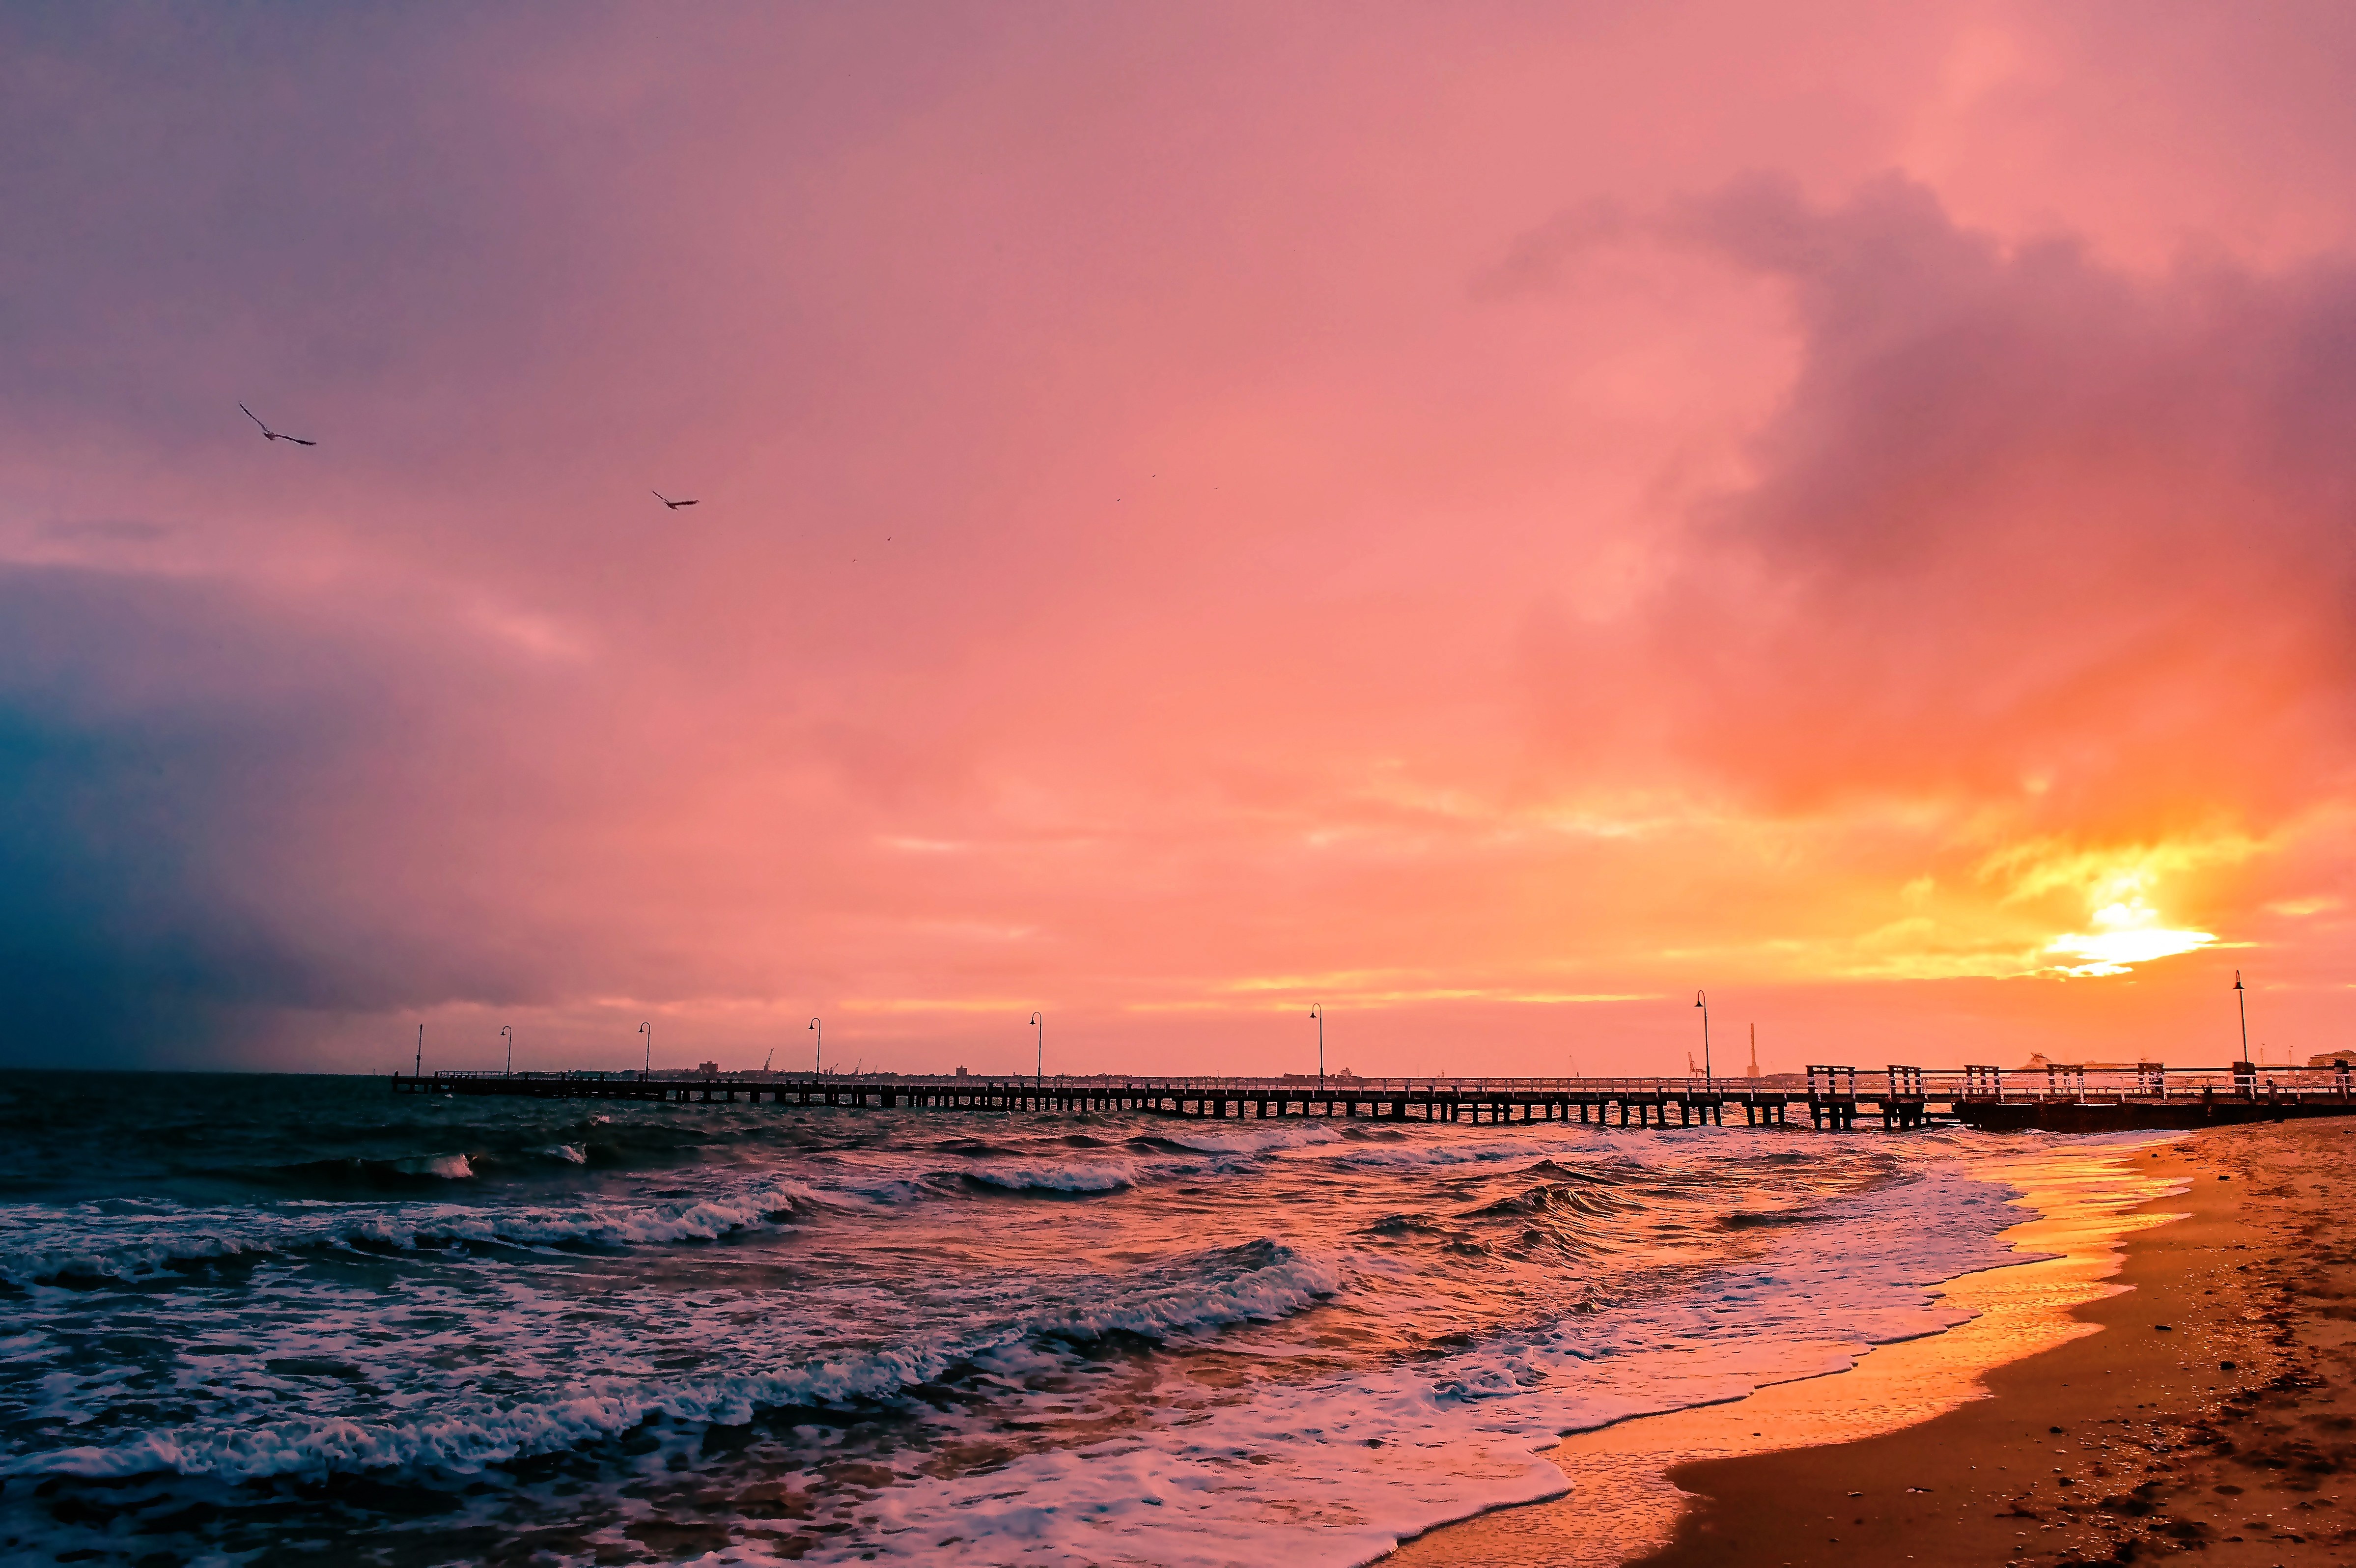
(2057, 1097)
(1634, 1103)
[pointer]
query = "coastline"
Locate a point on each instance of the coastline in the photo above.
(1940, 1450)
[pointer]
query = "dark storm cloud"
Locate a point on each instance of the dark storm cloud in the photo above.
(180, 776)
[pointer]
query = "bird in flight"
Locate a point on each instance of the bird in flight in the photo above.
(668, 501)
(269, 434)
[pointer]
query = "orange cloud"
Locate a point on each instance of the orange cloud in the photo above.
(1189, 516)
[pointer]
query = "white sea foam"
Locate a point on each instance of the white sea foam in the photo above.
(76, 1242)
(1289, 1283)
(426, 1339)
(464, 1435)
(1375, 1459)
(1054, 1175)
(1254, 1138)
(1455, 1435)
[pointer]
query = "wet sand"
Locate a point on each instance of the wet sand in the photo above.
(2071, 1422)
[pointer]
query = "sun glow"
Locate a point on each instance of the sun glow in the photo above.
(2127, 932)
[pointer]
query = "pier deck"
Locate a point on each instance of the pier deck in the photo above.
(2066, 1098)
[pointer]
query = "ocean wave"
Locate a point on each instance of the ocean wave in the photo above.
(1770, 1218)
(1258, 1282)
(411, 1172)
(1401, 1224)
(1256, 1140)
(1411, 1154)
(862, 1191)
(912, 1290)
(1387, 1452)
(1275, 1281)
(1554, 1198)
(75, 1245)
(1051, 1176)
(1597, 1172)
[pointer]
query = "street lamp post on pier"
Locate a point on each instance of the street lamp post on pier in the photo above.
(2241, 999)
(818, 1063)
(1317, 1011)
(1701, 1000)
(649, 1031)
(509, 1031)
(421, 1041)
(1039, 1069)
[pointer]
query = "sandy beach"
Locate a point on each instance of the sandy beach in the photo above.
(2208, 1405)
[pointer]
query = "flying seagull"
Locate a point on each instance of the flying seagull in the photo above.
(269, 434)
(668, 501)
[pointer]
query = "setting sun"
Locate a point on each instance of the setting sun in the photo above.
(2126, 934)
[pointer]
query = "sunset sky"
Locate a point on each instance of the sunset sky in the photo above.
(1486, 518)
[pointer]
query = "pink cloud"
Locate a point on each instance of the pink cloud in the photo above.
(1184, 532)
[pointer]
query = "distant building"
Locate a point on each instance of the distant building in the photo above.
(2330, 1059)
(709, 1070)
(960, 1072)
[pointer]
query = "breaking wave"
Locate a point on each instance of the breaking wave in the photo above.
(1050, 1176)
(65, 1246)
(1261, 1280)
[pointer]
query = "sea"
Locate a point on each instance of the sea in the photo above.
(270, 1320)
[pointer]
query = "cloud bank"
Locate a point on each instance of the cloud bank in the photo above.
(1488, 529)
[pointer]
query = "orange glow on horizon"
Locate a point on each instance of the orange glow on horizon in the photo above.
(1492, 528)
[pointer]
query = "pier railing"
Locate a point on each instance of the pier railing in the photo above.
(2137, 1082)
(2065, 1097)
(2069, 1082)
(1292, 1084)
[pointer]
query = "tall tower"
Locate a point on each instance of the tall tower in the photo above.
(1754, 1051)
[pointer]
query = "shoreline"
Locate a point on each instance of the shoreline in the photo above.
(1929, 1450)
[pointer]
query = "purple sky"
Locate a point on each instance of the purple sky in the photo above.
(1489, 519)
